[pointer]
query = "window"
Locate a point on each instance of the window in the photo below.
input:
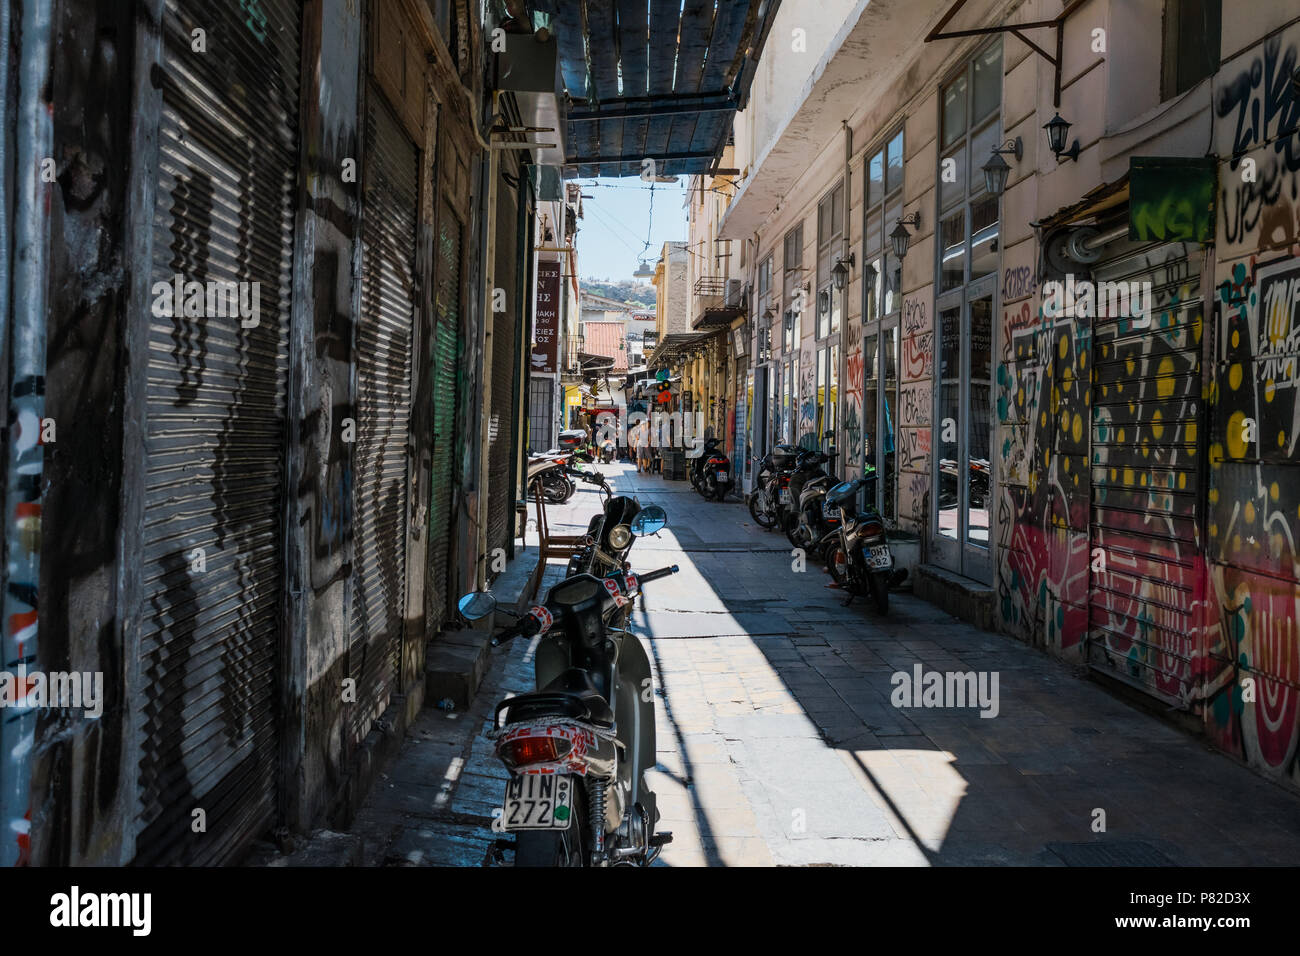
(830, 239)
(968, 216)
(764, 281)
(883, 272)
(792, 286)
(1192, 35)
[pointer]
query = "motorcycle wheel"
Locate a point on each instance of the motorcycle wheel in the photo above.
(837, 565)
(709, 488)
(792, 528)
(557, 847)
(880, 592)
(721, 493)
(763, 518)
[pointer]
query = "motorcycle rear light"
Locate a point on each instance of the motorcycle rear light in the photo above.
(873, 529)
(528, 750)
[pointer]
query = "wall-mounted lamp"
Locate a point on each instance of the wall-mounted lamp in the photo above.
(1057, 128)
(900, 237)
(996, 169)
(841, 271)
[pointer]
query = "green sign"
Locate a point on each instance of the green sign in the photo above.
(1171, 199)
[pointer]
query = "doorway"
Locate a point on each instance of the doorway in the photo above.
(962, 476)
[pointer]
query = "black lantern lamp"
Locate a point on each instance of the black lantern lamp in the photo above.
(996, 169)
(841, 271)
(900, 237)
(1057, 128)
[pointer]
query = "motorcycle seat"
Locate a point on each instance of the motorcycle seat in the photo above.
(571, 694)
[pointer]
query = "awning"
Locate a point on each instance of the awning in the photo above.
(673, 346)
(658, 79)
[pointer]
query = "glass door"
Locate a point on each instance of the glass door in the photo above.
(963, 429)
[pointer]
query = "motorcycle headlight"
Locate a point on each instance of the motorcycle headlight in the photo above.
(620, 536)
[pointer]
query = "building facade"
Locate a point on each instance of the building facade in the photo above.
(1074, 384)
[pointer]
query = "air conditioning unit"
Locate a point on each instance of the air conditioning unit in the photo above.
(735, 294)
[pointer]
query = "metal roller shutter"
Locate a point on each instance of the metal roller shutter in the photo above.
(1147, 449)
(447, 356)
(211, 568)
(383, 355)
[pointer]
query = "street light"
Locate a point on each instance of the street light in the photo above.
(1057, 128)
(643, 271)
(841, 271)
(996, 169)
(900, 237)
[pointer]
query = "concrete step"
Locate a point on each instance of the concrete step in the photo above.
(963, 598)
(455, 664)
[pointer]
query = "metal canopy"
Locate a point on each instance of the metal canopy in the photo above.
(654, 79)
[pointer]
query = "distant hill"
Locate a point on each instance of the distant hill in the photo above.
(638, 295)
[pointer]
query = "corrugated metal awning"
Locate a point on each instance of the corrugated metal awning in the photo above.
(658, 79)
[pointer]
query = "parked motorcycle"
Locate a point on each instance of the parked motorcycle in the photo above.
(609, 539)
(711, 472)
(578, 748)
(857, 552)
(772, 486)
(806, 521)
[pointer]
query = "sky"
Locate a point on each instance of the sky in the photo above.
(616, 221)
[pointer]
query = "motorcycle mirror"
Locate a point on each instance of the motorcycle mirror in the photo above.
(477, 605)
(650, 520)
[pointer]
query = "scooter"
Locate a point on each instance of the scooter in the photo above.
(857, 552)
(807, 522)
(608, 540)
(772, 486)
(711, 471)
(579, 747)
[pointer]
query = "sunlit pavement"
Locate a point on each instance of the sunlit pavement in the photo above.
(778, 743)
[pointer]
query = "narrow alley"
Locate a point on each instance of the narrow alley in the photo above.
(778, 743)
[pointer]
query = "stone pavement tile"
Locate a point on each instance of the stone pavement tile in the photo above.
(740, 851)
(438, 844)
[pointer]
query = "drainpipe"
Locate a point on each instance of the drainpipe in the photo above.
(25, 458)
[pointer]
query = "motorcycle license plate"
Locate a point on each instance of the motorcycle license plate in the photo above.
(538, 802)
(783, 495)
(878, 557)
(722, 476)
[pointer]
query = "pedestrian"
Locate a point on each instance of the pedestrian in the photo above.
(637, 438)
(645, 453)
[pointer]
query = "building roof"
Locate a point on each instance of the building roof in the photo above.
(606, 338)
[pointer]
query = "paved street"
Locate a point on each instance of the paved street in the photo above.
(778, 743)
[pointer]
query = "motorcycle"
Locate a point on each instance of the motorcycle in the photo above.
(711, 472)
(607, 451)
(806, 521)
(772, 486)
(555, 483)
(579, 747)
(609, 539)
(857, 552)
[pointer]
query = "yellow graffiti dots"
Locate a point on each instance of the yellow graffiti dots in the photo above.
(1189, 433)
(1214, 492)
(1182, 480)
(1129, 365)
(1165, 382)
(1274, 491)
(1236, 430)
(1281, 439)
(1077, 430)
(1121, 436)
(1276, 544)
(1236, 542)
(1157, 427)
(1063, 346)
(1146, 448)
(1270, 389)
(1042, 420)
(1065, 420)
(1214, 530)
(1128, 476)
(1144, 479)
(1236, 338)
(1114, 473)
(1234, 377)
(1105, 350)
(1249, 512)
(1056, 399)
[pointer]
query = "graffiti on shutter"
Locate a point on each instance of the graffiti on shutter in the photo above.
(211, 566)
(383, 353)
(1147, 574)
